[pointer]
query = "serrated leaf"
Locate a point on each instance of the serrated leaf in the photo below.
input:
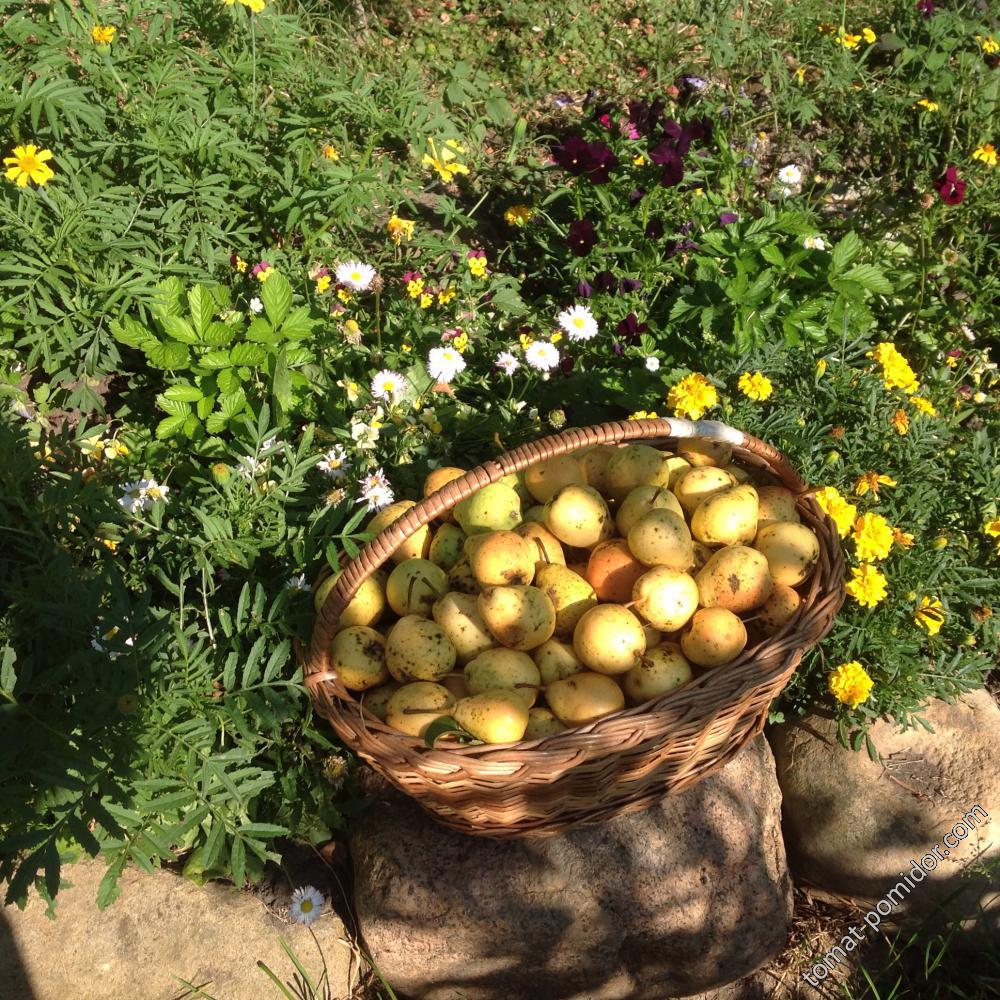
(277, 660)
(228, 380)
(263, 830)
(870, 277)
(184, 393)
(277, 298)
(172, 406)
(218, 335)
(191, 425)
(213, 843)
(215, 359)
(202, 307)
(179, 328)
(260, 331)
(247, 354)
(299, 323)
(169, 355)
(232, 403)
(844, 252)
(281, 385)
(108, 891)
(205, 407)
(130, 333)
(215, 423)
(170, 426)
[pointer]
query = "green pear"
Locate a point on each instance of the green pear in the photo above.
(705, 451)
(640, 501)
(508, 669)
(632, 466)
(593, 462)
(570, 594)
(493, 716)
(518, 617)
(416, 706)
(447, 546)
(544, 479)
(458, 614)
(578, 516)
(541, 723)
(376, 700)
(661, 538)
(357, 655)
(556, 660)
(495, 507)
(417, 649)
(660, 670)
(414, 586)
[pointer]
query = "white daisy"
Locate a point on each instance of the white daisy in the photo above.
(142, 494)
(388, 385)
(507, 363)
(578, 322)
(364, 435)
(99, 638)
(541, 355)
(376, 491)
(355, 275)
(298, 583)
(652, 364)
(790, 175)
(444, 363)
(334, 463)
(307, 905)
(256, 306)
(814, 243)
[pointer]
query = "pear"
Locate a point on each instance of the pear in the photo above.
(609, 639)
(660, 670)
(584, 698)
(702, 553)
(661, 538)
(493, 716)
(357, 655)
(548, 548)
(578, 516)
(791, 550)
(696, 485)
(612, 570)
(414, 586)
(775, 504)
(439, 478)
(779, 609)
(632, 466)
(705, 451)
(737, 578)
(593, 462)
(545, 479)
(653, 636)
(459, 617)
(366, 606)
(738, 473)
(728, 517)
(570, 594)
(515, 480)
(495, 507)
(518, 617)
(461, 578)
(416, 545)
(535, 513)
(542, 723)
(665, 598)
(456, 684)
(640, 501)
(447, 546)
(376, 700)
(673, 468)
(417, 649)
(414, 707)
(714, 636)
(501, 557)
(508, 669)
(556, 660)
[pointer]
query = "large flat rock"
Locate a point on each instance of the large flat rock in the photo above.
(687, 896)
(162, 926)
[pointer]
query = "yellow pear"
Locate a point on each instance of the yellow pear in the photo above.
(728, 517)
(640, 501)
(548, 548)
(584, 698)
(665, 597)
(439, 478)
(535, 513)
(501, 557)
(518, 617)
(556, 660)
(660, 670)
(366, 606)
(493, 716)
(673, 468)
(544, 479)
(593, 462)
(779, 609)
(736, 578)
(632, 466)
(696, 485)
(775, 504)
(791, 550)
(414, 707)
(661, 538)
(458, 614)
(415, 546)
(541, 723)
(461, 577)
(376, 700)
(447, 546)
(571, 595)
(495, 507)
(417, 649)
(508, 669)
(609, 639)
(414, 586)
(578, 516)
(705, 451)
(714, 636)
(357, 655)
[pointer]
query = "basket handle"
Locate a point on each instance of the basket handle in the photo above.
(390, 538)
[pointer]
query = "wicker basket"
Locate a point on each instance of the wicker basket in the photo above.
(622, 762)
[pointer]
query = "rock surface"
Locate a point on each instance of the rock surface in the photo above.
(161, 927)
(852, 826)
(689, 895)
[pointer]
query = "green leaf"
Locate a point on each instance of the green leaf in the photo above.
(130, 333)
(232, 403)
(439, 728)
(179, 329)
(8, 677)
(108, 891)
(183, 392)
(300, 323)
(215, 359)
(170, 355)
(228, 380)
(218, 335)
(870, 277)
(281, 385)
(202, 307)
(172, 406)
(213, 843)
(206, 405)
(277, 298)
(248, 354)
(170, 426)
(216, 423)
(844, 252)
(263, 830)
(238, 855)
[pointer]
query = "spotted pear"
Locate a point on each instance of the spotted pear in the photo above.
(508, 669)
(495, 507)
(417, 649)
(414, 586)
(494, 716)
(518, 617)
(609, 639)
(459, 617)
(578, 516)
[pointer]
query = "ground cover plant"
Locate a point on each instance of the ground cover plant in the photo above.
(262, 269)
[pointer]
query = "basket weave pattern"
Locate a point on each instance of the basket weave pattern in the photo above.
(623, 762)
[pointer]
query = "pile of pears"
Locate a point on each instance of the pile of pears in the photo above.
(554, 597)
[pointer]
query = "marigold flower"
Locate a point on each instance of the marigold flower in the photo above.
(518, 215)
(692, 396)
(872, 537)
(988, 44)
(902, 538)
(986, 153)
(872, 481)
(896, 371)
(103, 34)
(850, 684)
(842, 513)
(930, 614)
(992, 528)
(329, 152)
(755, 386)
(927, 104)
(868, 35)
(900, 421)
(446, 163)
(642, 415)
(400, 229)
(867, 585)
(848, 40)
(28, 163)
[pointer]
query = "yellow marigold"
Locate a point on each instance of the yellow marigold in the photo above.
(923, 406)
(900, 421)
(902, 538)
(445, 296)
(992, 528)
(868, 35)
(835, 507)
(328, 152)
(518, 215)
(400, 229)
(28, 163)
(930, 614)
(445, 163)
(850, 684)
(989, 44)
(756, 386)
(642, 415)
(927, 104)
(872, 481)
(461, 342)
(103, 34)
(872, 537)
(986, 153)
(867, 585)
(692, 396)
(848, 40)
(896, 371)
(826, 27)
